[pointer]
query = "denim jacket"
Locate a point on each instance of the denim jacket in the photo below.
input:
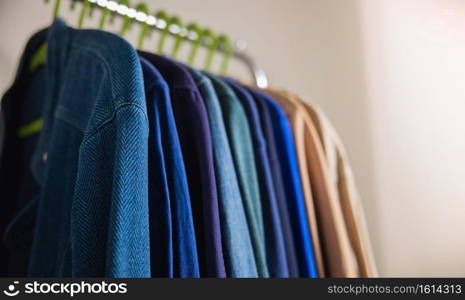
(91, 160)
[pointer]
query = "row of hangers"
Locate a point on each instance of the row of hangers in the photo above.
(171, 25)
(192, 31)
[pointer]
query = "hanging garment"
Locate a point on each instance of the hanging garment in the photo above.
(340, 256)
(293, 186)
(161, 243)
(240, 141)
(116, 164)
(90, 160)
(281, 198)
(276, 253)
(172, 237)
(342, 177)
(21, 104)
(237, 246)
(195, 138)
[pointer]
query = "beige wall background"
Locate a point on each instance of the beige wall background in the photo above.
(389, 74)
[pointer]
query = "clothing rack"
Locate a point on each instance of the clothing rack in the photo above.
(238, 51)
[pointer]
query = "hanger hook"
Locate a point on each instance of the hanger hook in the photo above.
(85, 7)
(126, 19)
(193, 27)
(56, 8)
(103, 18)
(143, 7)
(212, 47)
(72, 5)
(162, 16)
(178, 36)
(225, 43)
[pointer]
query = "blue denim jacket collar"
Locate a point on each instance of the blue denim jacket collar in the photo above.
(61, 41)
(108, 99)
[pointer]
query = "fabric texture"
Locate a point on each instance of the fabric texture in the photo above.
(90, 160)
(276, 252)
(293, 186)
(240, 141)
(237, 245)
(341, 175)
(196, 144)
(172, 237)
(21, 104)
(342, 255)
(278, 179)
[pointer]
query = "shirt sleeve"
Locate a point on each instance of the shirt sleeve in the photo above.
(110, 216)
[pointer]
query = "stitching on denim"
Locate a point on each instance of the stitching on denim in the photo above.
(65, 115)
(91, 133)
(100, 58)
(107, 68)
(104, 61)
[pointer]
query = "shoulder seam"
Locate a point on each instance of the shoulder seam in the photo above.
(111, 118)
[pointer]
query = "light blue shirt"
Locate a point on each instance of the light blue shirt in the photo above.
(237, 246)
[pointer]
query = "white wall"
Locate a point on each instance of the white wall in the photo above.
(389, 73)
(415, 71)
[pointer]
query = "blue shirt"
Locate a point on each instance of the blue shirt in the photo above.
(196, 145)
(240, 141)
(276, 253)
(90, 160)
(237, 245)
(172, 236)
(293, 185)
(276, 171)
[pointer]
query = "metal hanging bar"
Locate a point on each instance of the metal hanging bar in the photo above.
(239, 53)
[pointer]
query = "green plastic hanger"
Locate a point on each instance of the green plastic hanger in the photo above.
(193, 27)
(84, 8)
(56, 8)
(164, 33)
(126, 26)
(72, 5)
(212, 47)
(143, 7)
(161, 15)
(225, 43)
(103, 18)
(178, 39)
(31, 128)
(40, 56)
(38, 59)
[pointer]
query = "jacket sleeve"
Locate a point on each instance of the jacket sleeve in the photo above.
(110, 218)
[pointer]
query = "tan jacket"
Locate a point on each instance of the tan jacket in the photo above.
(334, 210)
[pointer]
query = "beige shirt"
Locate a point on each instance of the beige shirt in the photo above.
(334, 210)
(342, 176)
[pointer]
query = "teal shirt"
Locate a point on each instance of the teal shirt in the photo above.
(240, 140)
(237, 245)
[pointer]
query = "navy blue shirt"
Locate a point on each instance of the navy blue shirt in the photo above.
(21, 104)
(194, 134)
(172, 236)
(276, 252)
